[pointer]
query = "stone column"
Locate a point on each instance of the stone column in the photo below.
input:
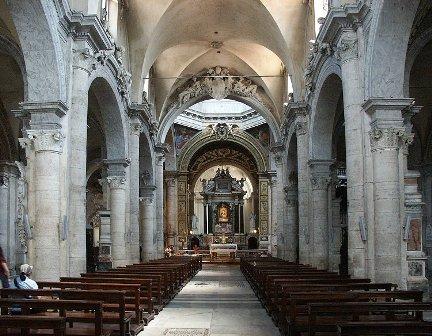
(386, 137)
(300, 114)
(335, 227)
(353, 114)
(48, 146)
(77, 162)
(4, 213)
(147, 223)
(159, 180)
(171, 209)
(134, 149)
(320, 179)
(117, 185)
(291, 226)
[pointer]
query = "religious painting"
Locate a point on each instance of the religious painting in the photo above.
(223, 213)
(182, 135)
(414, 242)
(262, 133)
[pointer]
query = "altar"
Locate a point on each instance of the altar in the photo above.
(223, 249)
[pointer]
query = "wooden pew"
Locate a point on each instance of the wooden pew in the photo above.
(132, 298)
(325, 317)
(24, 324)
(63, 308)
(145, 286)
(293, 314)
(393, 328)
(113, 307)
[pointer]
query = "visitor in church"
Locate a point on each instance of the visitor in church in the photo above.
(23, 280)
(4, 270)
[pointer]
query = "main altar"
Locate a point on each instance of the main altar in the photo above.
(223, 206)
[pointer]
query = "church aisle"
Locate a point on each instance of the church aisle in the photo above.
(217, 302)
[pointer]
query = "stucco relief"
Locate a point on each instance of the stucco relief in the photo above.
(218, 83)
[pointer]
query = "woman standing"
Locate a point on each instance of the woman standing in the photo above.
(4, 270)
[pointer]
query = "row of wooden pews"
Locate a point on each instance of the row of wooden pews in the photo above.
(118, 301)
(305, 301)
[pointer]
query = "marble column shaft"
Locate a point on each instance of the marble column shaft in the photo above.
(291, 226)
(48, 146)
(117, 185)
(147, 222)
(302, 126)
(171, 210)
(134, 148)
(159, 180)
(353, 115)
(77, 165)
(320, 179)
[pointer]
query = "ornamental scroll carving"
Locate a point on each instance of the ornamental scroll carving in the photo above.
(116, 182)
(320, 181)
(389, 138)
(348, 48)
(43, 140)
(218, 83)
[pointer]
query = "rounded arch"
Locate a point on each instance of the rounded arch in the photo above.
(390, 32)
(415, 49)
(9, 47)
(113, 114)
(324, 105)
(175, 110)
(44, 63)
(235, 135)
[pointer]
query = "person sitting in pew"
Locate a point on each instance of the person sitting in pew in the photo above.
(23, 280)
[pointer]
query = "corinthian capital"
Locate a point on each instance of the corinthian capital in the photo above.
(383, 139)
(320, 181)
(45, 140)
(116, 182)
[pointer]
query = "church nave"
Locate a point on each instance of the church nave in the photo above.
(217, 301)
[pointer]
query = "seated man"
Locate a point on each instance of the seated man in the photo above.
(23, 281)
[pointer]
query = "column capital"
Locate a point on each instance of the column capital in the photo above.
(171, 181)
(278, 151)
(43, 140)
(116, 182)
(383, 139)
(320, 173)
(320, 181)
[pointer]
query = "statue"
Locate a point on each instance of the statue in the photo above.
(252, 221)
(194, 222)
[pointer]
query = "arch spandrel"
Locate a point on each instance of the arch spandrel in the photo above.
(225, 133)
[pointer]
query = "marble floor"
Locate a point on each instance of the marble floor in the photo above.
(218, 301)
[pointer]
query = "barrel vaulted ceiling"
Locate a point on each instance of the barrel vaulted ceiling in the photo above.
(174, 38)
